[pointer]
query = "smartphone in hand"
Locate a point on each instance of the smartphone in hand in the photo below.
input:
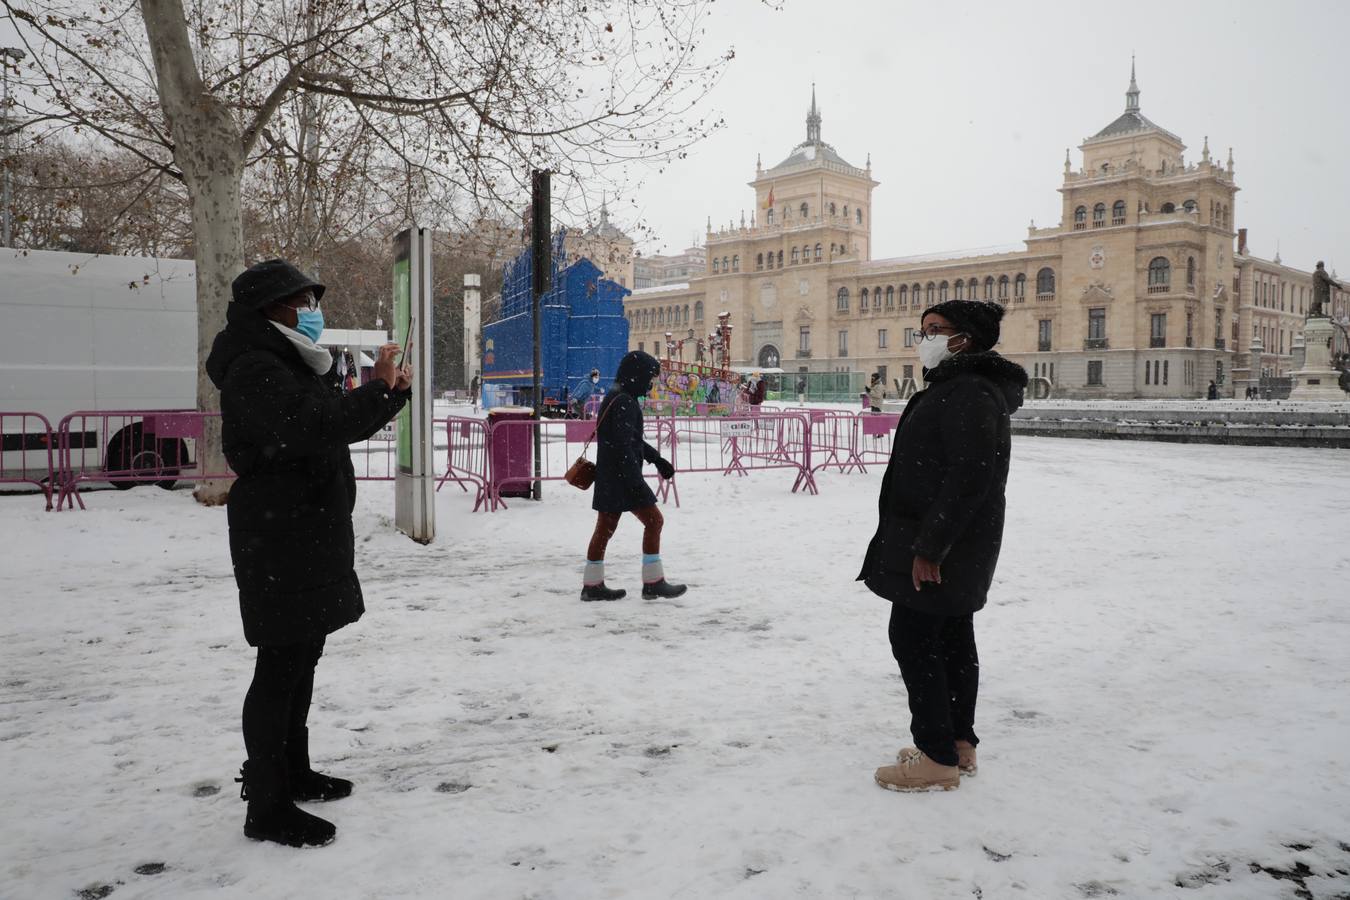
(407, 344)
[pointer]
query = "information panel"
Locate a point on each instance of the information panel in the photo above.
(414, 480)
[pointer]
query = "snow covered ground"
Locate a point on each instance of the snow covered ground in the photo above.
(1163, 711)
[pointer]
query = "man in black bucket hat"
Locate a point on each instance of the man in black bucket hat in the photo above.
(286, 426)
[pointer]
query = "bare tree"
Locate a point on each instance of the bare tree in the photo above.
(450, 104)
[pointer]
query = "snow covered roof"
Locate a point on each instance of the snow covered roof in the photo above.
(660, 289)
(942, 256)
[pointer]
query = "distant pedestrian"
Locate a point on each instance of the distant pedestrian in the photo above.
(755, 389)
(801, 390)
(1213, 392)
(941, 525)
(475, 385)
(584, 392)
(876, 392)
(619, 485)
(286, 425)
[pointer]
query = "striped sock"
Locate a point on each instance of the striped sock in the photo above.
(594, 573)
(652, 571)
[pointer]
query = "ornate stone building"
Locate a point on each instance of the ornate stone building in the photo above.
(1136, 293)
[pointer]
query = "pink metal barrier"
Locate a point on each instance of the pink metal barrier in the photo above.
(726, 444)
(874, 437)
(466, 462)
(128, 448)
(26, 441)
(833, 438)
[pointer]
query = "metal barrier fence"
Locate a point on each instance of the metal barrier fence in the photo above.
(466, 458)
(24, 435)
(834, 438)
(874, 438)
(767, 440)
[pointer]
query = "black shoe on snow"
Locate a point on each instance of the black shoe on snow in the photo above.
(272, 815)
(662, 590)
(315, 786)
(600, 592)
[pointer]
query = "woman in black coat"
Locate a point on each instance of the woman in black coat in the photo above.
(619, 485)
(941, 526)
(286, 426)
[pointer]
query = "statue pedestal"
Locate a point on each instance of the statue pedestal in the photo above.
(1316, 379)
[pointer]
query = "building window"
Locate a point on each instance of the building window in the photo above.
(1080, 218)
(780, 260)
(698, 311)
(1218, 371)
(1094, 372)
(804, 340)
(726, 264)
(890, 296)
(1148, 373)
(914, 298)
(1097, 328)
(714, 264)
(1190, 206)
(843, 343)
(1045, 282)
(686, 315)
(1002, 287)
(805, 210)
(845, 212)
(1190, 330)
(1190, 273)
(832, 210)
(759, 261)
(909, 337)
(876, 298)
(1165, 367)
(858, 214)
(862, 300)
(989, 287)
(736, 263)
(1020, 285)
(904, 295)
(841, 300)
(768, 215)
(1118, 213)
(942, 292)
(1099, 215)
(642, 346)
(932, 293)
(1159, 275)
(881, 338)
(795, 258)
(1157, 334)
(817, 252)
(1043, 336)
(960, 289)
(1168, 207)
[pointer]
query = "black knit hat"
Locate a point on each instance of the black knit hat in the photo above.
(636, 370)
(977, 318)
(269, 281)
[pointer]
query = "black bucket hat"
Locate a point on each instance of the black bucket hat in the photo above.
(269, 281)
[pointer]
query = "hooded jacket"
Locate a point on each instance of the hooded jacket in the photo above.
(285, 434)
(620, 450)
(942, 497)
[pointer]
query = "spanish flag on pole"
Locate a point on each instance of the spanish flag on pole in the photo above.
(769, 203)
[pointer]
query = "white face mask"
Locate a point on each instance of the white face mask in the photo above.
(595, 379)
(933, 350)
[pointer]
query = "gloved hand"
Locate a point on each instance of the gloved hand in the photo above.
(665, 468)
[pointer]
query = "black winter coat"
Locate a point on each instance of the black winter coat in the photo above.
(620, 450)
(942, 497)
(286, 432)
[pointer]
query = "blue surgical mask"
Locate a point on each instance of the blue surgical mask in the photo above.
(310, 323)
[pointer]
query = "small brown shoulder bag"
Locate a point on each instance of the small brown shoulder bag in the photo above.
(581, 474)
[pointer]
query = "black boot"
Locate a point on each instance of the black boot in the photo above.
(306, 784)
(662, 590)
(600, 592)
(272, 815)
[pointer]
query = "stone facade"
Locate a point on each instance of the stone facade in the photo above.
(1136, 293)
(657, 270)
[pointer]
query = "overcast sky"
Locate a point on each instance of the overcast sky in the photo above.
(967, 108)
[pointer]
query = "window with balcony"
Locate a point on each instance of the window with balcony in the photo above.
(805, 209)
(904, 295)
(890, 296)
(862, 300)
(780, 260)
(1020, 286)
(1118, 213)
(942, 292)
(1157, 334)
(931, 291)
(714, 265)
(989, 287)
(795, 257)
(1080, 218)
(1159, 275)
(759, 261)
(818, 248)
(768, 216)
(876, 298)
(1099, 215)
(1044, 333)
(960, 289)
(1045, 282)
(1002, 287)
(914, 298)
(841, 300)
(698, 311)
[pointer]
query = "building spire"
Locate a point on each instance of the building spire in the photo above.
(1132, 95)
(1205, 154)
(813, 119)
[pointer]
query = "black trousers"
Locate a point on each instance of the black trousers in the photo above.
(941, 669)
(277, 704)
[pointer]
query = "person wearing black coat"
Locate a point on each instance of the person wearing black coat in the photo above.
(285, 428)
(619, 485)
(940, 529)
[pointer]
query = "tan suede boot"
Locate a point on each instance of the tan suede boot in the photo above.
(965, 750)
(914, 770)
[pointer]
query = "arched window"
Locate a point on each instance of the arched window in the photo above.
(931, 291)
(1118, 213)
(768, 215)
(726, 264)
(915, 297)
(1190, 206)
(698, 311)
(759, 261)
(818, 249)
(768, 357)
(1080, 218)
(845, 212)
(973, 288)
(1020, 285)
(858, 214)
(736, 263)
(876, 298)
(1159, 275)
(1045, 281)
(904, 295)
(805, 209)
(795, 256)
(942, 292)
(890, 296)
(1168, 207)
(1003, 286)
(780, 259)
(989, 286)
(714, 265)
(660, 317)
(1190, 272)
(832, 210)
(841, 300)
(960, 289)
(1099, 215)
(862, 300)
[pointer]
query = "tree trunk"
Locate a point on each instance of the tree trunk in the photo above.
(208, 151)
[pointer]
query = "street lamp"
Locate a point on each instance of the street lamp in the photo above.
(17, 55)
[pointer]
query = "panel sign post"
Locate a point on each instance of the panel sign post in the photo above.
(414, 479)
